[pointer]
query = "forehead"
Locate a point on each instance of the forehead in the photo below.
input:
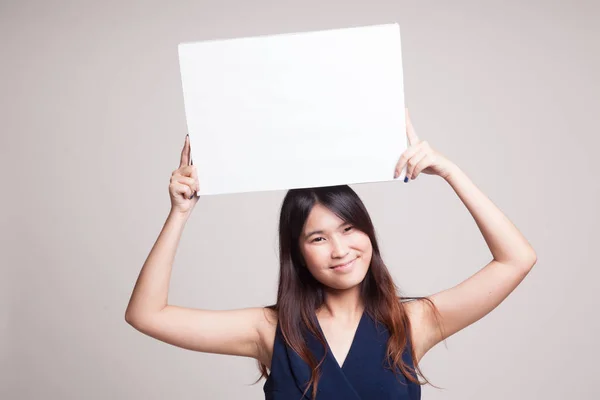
(321, 217)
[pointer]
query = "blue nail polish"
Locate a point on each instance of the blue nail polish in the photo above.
(405, 179)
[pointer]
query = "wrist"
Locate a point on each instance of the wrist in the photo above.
(179, 215)
(452, 170)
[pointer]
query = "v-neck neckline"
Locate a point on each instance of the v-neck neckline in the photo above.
(352, 344)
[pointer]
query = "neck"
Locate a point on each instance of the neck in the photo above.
(343, 304)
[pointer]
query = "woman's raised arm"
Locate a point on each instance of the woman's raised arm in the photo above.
(235, 332)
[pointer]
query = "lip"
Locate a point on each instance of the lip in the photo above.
(344, 267)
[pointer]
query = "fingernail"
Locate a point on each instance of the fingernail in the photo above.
(405, 179)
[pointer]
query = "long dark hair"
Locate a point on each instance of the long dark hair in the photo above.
(299, 294)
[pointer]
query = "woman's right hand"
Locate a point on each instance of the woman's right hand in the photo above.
(184, 186)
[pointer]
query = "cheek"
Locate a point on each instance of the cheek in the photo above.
(317, 256)
(363, 243)
(317, 260)
(367, 251)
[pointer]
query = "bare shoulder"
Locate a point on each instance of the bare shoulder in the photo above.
(419, 312)
(266, 333)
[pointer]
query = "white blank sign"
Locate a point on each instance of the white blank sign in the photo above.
(295, 110)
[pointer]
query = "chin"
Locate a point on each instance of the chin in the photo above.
(344, 281)
(339, 285)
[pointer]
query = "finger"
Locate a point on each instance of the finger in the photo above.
(421, 165)
(190, 179)
(185, 153)
(412, 163)
(408, 153)
(413, 139)
(194, 181)
(182, 189)
(186, 175)
(189, 151)
(191, 182)
(195, 176)
(187, 170)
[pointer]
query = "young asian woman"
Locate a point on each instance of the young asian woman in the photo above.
(338, 329)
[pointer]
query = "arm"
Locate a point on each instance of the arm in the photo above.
(233, 332)
(512, 256)
(151, 291)
(472, 299)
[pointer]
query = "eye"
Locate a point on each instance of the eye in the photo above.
(345, 230)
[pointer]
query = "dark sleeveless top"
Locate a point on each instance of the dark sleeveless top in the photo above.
(362, 376)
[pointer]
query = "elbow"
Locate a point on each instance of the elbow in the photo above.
(531, 257)
(528, 260)
(132, 317)
(135, 321)
(128, 317)
(139, 318)
(524, 260)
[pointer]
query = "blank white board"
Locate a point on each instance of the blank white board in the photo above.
(295, 110)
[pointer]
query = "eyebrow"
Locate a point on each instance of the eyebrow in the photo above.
(320, 231)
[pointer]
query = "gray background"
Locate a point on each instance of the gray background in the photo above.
(92, 123)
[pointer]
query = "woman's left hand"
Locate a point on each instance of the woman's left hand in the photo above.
(420, 157)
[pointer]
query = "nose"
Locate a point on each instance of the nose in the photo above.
(339, 248)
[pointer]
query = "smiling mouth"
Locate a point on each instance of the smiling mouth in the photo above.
(343, 265)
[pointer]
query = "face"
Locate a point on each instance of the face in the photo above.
(327, 241)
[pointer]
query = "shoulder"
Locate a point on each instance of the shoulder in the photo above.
(418, 312)
(267, 328)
